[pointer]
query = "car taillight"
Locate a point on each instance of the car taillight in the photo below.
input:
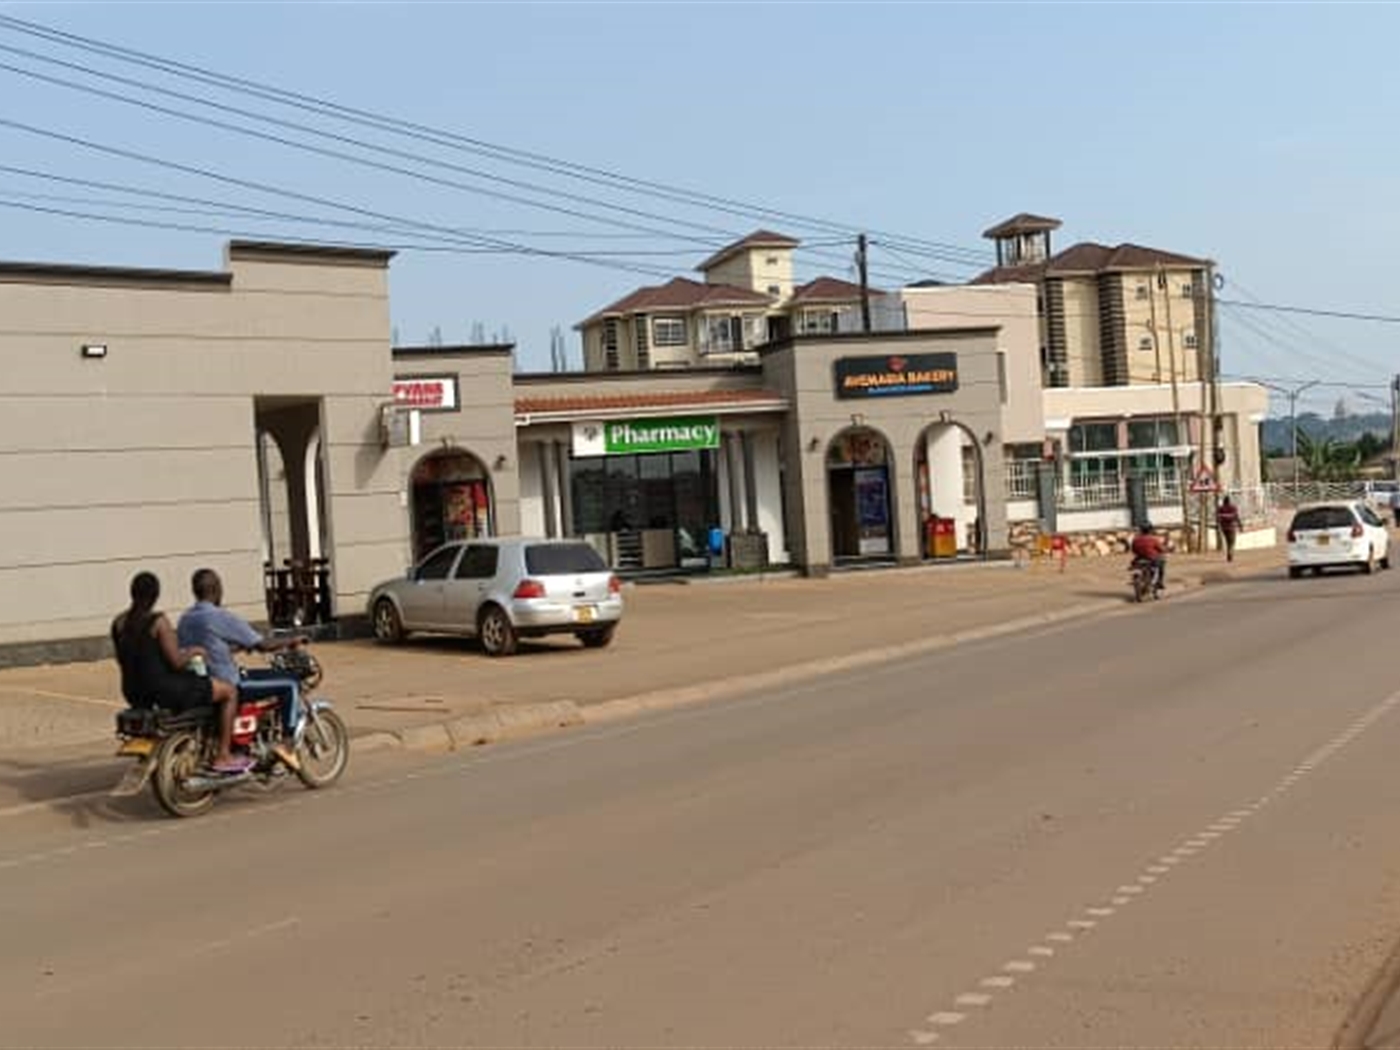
(529, 589)
(1357, 532)
(1292, 536)
(614, 585)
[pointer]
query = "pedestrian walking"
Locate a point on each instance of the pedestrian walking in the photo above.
(1227, 519)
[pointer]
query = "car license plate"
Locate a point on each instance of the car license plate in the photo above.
(585, 614)
(1323, 541)
(140, 747)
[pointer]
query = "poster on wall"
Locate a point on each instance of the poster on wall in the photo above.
(873, 510)
(464, 510)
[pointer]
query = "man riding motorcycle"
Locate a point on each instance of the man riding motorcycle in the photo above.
(218, 631)
(1148, 547)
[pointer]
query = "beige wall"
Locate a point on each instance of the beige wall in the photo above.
(752, 270)
(1082, 332)
(146, 459)
(1013, 308)
(1171, 331)
(484, 426)
(802, 369)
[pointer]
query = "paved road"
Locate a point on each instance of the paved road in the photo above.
(1171, 827)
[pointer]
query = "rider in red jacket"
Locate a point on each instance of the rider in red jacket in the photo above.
(1148, 546)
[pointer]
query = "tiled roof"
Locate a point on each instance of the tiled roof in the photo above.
(1023, 223)
(828, 290)
(637, 401)
(757, 239)
(1088, 257)
(680, 293)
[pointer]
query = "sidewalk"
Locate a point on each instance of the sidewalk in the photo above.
(683, 640)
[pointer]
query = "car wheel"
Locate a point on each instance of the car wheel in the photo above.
(388, 626)
(496, 632)
(596, 639)
(1294, 573)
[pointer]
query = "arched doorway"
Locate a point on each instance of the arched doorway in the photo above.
(452, 500)
(860, 495)
(950, 478)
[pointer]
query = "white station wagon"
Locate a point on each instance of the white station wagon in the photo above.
(1344, 534)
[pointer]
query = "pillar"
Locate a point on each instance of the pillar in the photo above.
(549, 486)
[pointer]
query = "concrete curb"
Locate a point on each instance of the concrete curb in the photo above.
(664, 699)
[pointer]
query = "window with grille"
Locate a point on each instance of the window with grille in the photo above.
(643, 350)
(610, 349)
(668, 331)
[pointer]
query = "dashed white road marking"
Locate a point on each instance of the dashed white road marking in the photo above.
(1128, 892)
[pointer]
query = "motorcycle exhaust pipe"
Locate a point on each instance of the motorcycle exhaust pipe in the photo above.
(215, 783)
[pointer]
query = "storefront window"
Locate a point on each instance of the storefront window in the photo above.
(1093, 437)
(667, 491)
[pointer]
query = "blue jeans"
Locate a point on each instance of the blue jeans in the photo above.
(264, 682)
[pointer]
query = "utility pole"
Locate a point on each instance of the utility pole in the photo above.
(1210, 403)
(1293, 396)
(861, 262)
(1395, 428)
(1181, 482)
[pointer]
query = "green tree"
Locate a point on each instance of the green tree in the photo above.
(1328, 459)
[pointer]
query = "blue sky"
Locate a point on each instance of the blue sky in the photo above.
(1260, 135)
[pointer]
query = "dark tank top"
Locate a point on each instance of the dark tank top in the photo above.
(147, 680)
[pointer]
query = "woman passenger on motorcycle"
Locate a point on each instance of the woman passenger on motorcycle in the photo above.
(154, 668)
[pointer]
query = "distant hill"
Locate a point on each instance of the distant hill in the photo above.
(1278, 433)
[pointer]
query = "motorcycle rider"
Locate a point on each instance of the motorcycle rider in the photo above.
(208, 624)
(1148, 547)
(155, 668)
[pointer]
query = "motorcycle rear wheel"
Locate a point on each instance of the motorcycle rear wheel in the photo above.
(325, 750)
(179, 758)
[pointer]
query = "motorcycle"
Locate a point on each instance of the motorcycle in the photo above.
(174, 751)
(1144, 580)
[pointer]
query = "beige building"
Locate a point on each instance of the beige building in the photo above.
(1109, 316)
(747, 298)
(146, 413)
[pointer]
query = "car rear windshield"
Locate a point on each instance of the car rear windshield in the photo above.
(1323, 518)
(562, 559)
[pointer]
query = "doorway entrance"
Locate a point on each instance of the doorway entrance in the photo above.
(294, 511)
(859, 496)
(949, 474)
(451, 501)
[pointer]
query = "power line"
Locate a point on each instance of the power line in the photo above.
(261, 187)
(392, 168)
(1310, 311)
(599, 176)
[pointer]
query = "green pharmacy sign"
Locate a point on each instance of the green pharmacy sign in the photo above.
(681, 434)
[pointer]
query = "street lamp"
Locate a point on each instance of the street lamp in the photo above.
(1292, 394)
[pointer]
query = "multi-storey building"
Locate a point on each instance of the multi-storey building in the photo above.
(1109, 316)
(748, 298)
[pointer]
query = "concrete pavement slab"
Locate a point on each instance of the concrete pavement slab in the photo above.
(679, 643)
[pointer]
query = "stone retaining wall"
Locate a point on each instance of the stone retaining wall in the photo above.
(1112, 542)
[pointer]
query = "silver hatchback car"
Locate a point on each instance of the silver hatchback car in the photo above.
(502, 590)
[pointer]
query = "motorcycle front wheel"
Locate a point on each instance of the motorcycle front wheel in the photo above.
(325, 750)
(177, 761)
